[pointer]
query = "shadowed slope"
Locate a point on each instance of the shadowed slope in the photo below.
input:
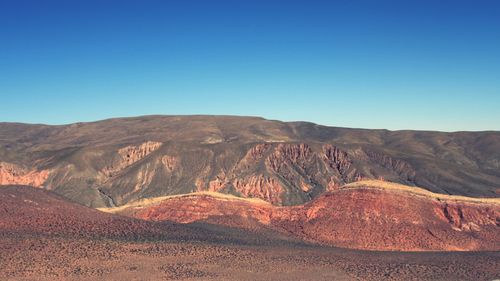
(30, 212)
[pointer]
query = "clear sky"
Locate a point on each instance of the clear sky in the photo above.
(371, 64)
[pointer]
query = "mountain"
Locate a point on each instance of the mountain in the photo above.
(371, 215)
(225, 198)
(116, 161)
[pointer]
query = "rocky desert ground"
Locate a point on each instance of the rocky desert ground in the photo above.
(59, 258)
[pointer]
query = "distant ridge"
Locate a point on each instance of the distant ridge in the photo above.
(116, 161)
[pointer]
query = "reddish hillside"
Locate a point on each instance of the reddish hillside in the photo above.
(33, 212)
(26, 210)
(211, 207)
(366, 215)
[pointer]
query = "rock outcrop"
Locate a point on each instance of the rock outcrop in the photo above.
(129, 155)
(398, 166)
(12, 174)
(170, 162)
(273, 172)
(268, 189)
(285, 155)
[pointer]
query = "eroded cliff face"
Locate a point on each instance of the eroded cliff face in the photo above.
(363, 218)
(342, 166)
(291, 162)
(274, 172)
(12, 174)
(467, 217)
(268, 189)
(170, 162)
(257, 152)
(279, 173)
(265, 188)
(129, 155)
(285, 155)
(337, 159)
(398, 166)
(285, 173)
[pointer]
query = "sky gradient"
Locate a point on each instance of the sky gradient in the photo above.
(432, 65)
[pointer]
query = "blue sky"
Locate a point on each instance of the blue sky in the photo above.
(431, 65)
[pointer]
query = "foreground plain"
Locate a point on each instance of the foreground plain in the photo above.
(57, 258)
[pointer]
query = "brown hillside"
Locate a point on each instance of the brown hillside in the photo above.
(117, 161)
